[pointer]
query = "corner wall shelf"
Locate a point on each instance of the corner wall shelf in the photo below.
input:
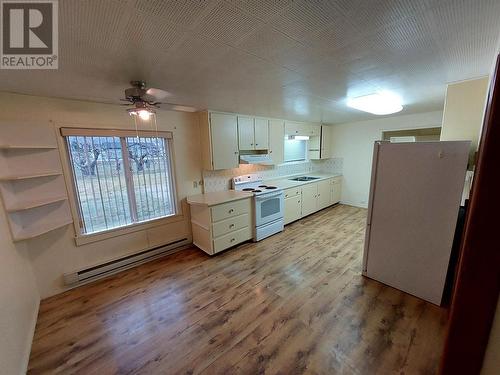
(32, 186)
(23, 177)
(26, 147)
(35, 204)
(26, 234)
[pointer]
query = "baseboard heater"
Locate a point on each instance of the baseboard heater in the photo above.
(112, 267)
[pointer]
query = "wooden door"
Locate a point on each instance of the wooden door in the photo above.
(246, 137)
(261, 134)
(277, 140)
(324, 194)
(224, 138)
(309, 199)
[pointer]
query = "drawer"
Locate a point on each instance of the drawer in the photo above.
(229, 225)
(292, 192)
(233, 238)
(230, 209)
(336, 180)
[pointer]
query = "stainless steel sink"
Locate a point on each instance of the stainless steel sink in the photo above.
(304, 178)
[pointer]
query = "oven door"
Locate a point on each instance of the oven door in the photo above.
(268, 208)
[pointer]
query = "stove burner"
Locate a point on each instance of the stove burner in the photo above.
(271, 187)
(248, 189)
(257, 191)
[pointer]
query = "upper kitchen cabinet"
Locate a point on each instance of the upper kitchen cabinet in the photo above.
(320, 147)
(261, 134)
(326, 142)
(253, 133)
(313, 130)
(302, 128)
(219, 140)
(276, 141)
(293, 128)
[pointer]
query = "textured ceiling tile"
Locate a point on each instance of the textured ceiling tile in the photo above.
(368, 16)
(262, 9)
(266, 43)
(184, 13)
(303, 64)
(228, 24)
(304, 18)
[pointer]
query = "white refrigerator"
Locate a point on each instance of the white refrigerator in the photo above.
(415, 196)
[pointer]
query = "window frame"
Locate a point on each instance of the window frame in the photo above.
(85, 238)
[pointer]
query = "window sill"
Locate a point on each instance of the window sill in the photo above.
(295, 162)
(84, 239)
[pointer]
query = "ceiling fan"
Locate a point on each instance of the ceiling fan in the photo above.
(145, 100)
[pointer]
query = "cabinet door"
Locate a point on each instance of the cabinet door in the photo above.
(224, 138)
(293, 209)
(314, 130)
(261, 134)
(246, 133)
(293, 128)
(324, 194)
(309, 199)
(336, 189)
(277, 140)
(326, 142)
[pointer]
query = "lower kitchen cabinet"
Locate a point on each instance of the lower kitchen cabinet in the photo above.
(309, 199)
(336, 189)
(221, 226)
(324, 193)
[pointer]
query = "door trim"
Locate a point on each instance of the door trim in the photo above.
(478, 279)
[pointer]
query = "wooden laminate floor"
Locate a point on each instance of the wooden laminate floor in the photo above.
(294, 303)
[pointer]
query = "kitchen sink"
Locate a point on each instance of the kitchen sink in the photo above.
(304, 178)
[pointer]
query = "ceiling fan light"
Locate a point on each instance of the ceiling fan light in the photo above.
(378, 104)
(144, 114)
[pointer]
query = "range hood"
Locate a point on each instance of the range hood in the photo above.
(256, 159)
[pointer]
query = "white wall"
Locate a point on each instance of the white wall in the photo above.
(353, 142)
(464, 111)
(55, 253)
(19, 301)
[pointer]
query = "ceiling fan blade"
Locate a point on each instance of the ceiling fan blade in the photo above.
(157, 94)
(177, 107)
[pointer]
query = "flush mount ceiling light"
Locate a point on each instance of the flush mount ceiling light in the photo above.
(383, 103)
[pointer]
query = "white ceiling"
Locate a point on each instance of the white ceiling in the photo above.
(281, 58)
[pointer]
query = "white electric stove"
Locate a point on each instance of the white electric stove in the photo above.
(268, 204)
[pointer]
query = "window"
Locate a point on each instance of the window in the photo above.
(295, 150)
(120, 177)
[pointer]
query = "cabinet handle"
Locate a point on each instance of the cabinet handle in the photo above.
(271, 151)
(256, 144)
(296, 131)
(298, 201)
(236, 152)
(232, 240)
(231, 226)
(251, 144)
(231, 211)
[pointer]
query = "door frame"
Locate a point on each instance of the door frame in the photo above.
(478, 279)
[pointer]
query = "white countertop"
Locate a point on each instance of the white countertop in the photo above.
(286, 183)
(218, 197)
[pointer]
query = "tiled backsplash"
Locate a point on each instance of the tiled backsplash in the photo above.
(221, 180)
